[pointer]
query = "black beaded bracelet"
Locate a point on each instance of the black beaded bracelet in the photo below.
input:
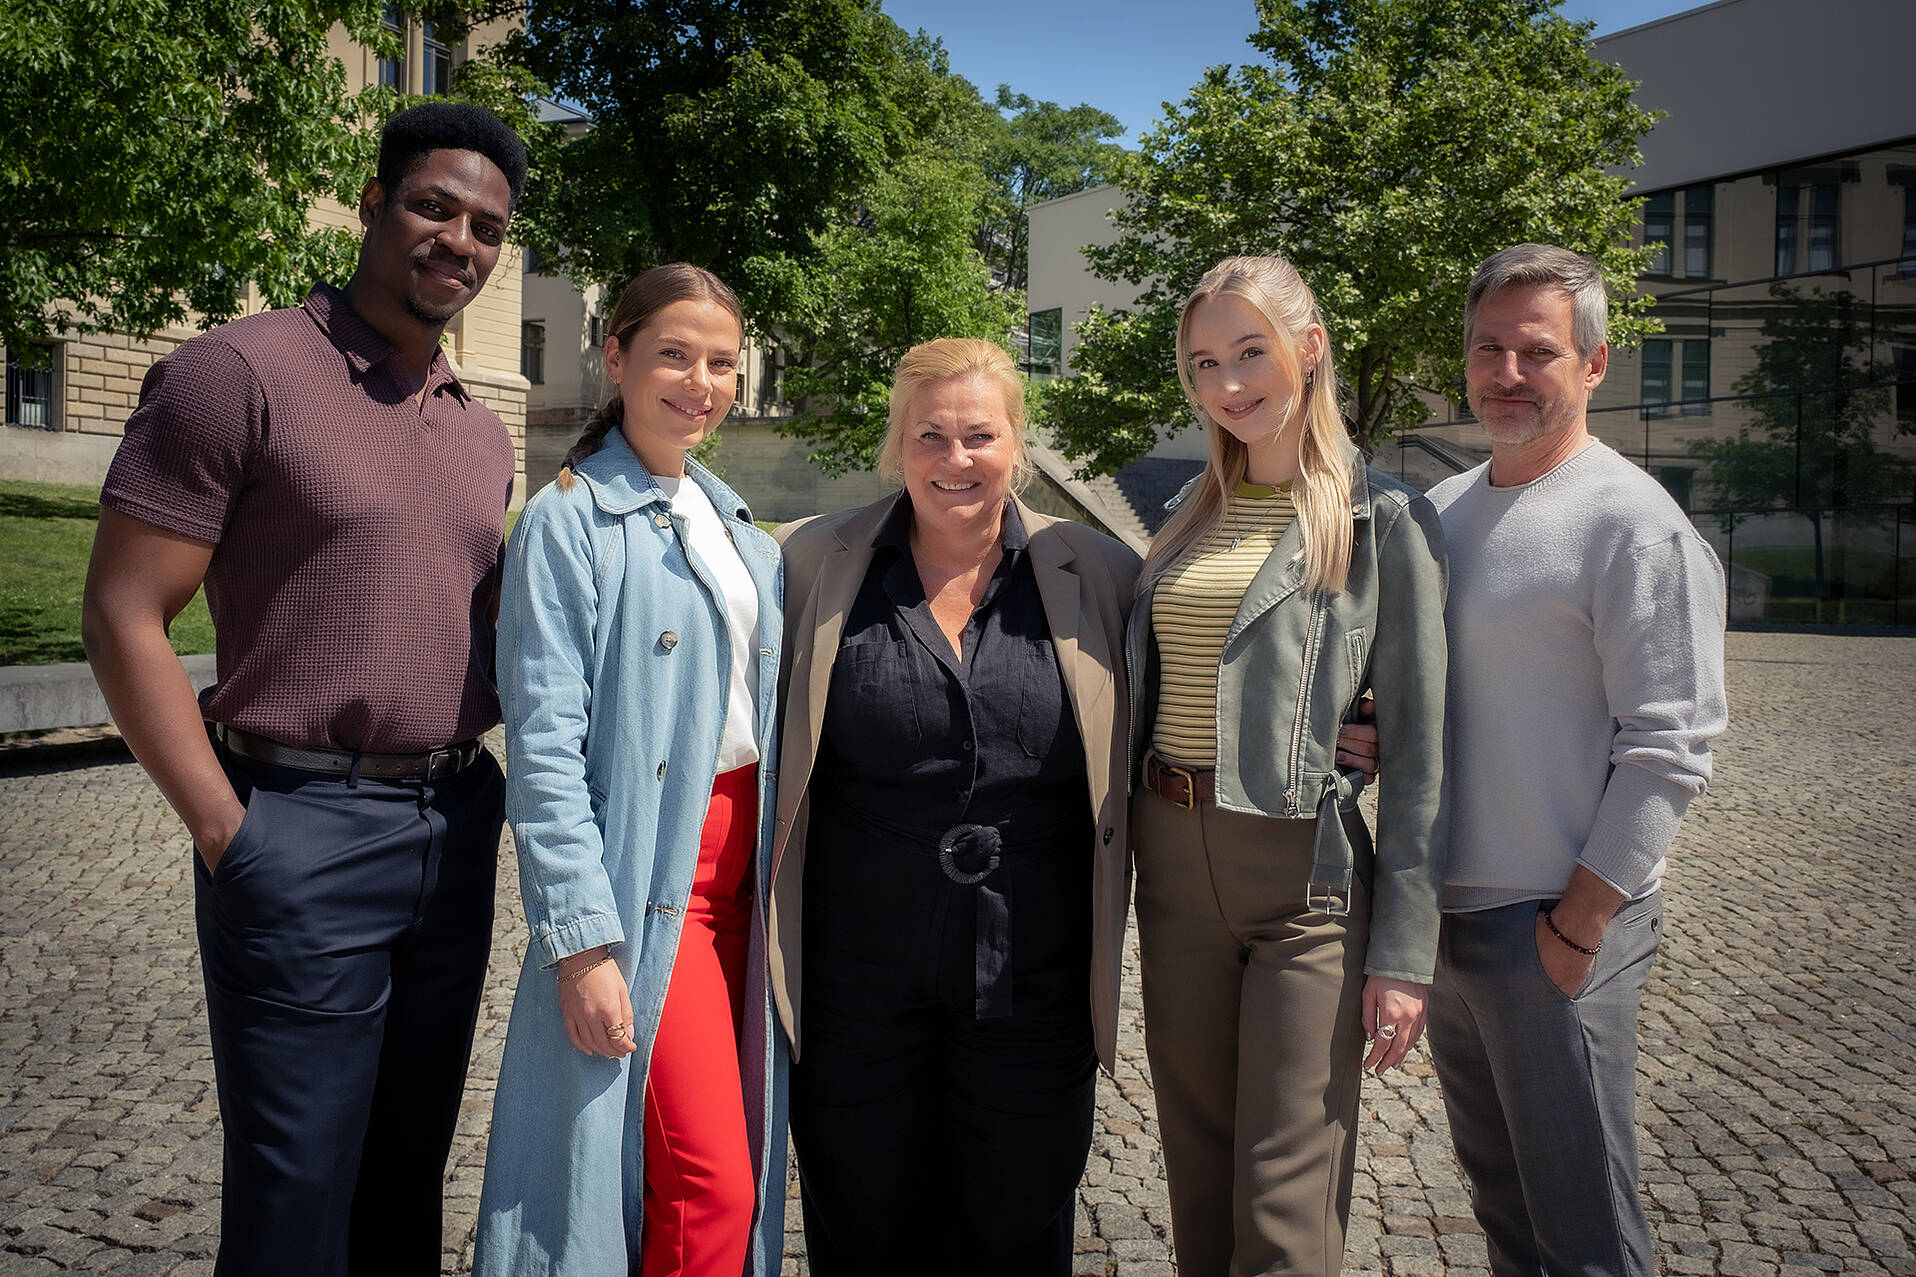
(1551, 922)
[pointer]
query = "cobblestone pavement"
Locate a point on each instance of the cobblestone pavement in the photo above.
(1778, 1098)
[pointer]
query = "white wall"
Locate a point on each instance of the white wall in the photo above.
(1061, 278)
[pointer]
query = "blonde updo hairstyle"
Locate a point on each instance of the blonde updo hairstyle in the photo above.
(1327, 459)
(952, 359)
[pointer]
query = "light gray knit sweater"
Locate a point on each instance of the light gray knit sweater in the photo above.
(1586, 678)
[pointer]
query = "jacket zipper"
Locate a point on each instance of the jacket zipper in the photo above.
(1303, 691)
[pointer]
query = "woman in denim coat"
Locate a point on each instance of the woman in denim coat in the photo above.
(1275, 937)
(638, 654)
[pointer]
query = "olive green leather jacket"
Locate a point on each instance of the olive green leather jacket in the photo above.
(1294, 666)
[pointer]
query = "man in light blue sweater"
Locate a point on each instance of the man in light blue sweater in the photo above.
(1586, 682)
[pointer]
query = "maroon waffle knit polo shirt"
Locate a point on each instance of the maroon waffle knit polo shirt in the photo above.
(355, 534)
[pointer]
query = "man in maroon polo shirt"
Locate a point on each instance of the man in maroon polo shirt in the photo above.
(341, 496)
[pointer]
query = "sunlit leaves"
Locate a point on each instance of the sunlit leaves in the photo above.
(1387, 148)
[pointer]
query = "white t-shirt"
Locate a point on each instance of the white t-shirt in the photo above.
(712, 546)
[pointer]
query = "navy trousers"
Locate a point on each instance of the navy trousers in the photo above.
(343, 940)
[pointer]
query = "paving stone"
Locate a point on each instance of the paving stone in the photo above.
(1777, 1094)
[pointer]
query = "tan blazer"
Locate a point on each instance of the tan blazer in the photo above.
(1084, 581)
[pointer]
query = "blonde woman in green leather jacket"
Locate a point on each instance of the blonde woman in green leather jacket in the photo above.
(1278, 938)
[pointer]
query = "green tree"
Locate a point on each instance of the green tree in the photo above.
(725, 132)
(1036, 151)
(824, 163)
(900, 270)
(156, 157)
(1810, 443)
(1389, 146)
(895, 266)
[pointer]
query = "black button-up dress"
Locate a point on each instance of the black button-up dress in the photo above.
(947, 1079)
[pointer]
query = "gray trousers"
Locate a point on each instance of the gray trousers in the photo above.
(1541, 1090)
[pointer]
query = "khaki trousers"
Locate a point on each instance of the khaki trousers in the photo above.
(1253, 1025)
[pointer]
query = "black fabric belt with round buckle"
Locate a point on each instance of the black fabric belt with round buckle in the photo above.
(979, 847)
(436, 765)
(968, 854)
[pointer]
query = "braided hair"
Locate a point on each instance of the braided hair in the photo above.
(643, 298)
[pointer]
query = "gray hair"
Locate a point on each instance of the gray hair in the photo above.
(1530, 265)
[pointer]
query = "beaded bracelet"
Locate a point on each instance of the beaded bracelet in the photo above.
(1551, 922)
(580, 974)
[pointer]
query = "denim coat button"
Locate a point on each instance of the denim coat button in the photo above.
(669, 640)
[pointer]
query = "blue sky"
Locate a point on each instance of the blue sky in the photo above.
(1128, 56)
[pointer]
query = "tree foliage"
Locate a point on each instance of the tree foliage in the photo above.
(725, 132)
(1388, 147)
(156, 157)
(1036, 151)
(823, 162)
(901, 271)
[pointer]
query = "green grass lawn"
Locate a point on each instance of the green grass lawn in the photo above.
(47, 529)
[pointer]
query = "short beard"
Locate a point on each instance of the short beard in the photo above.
(428, 317)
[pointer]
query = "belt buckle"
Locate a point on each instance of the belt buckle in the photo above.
(1190, 784)
(1337, 906)
(449, 757)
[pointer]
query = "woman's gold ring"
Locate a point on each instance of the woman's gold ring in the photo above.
(615, 1031)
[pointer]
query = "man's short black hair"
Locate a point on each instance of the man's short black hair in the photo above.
(448, 126)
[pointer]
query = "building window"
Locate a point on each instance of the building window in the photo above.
(533, 265)
(1905, 357)
(1699, 230)
(1696, 378)
(532, 352)
(1659, 230)
(1680, 229)
(1656, 375)
(1824, 251)
(1044, 342)
(30, 387)
(1786, 230)
(1909, 230)
(595, 330)
(438, 66)
(1808, 226)
(1679, 482)
(392, 71)
(1666, 359)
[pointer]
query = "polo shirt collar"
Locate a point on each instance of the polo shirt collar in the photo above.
(361, 344)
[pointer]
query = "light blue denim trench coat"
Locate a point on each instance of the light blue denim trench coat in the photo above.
(607, 624)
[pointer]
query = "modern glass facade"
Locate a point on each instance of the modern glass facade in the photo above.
(1778, 406)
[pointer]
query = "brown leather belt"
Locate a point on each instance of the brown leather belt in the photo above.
(1184, 786)
(436, 765)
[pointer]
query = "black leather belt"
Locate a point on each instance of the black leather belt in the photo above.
(436, 765)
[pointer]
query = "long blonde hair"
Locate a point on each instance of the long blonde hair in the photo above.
(1327, 459)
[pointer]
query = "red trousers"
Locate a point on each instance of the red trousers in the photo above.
(700, 1185)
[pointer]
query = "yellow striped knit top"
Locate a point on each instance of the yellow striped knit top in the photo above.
(1191, 611)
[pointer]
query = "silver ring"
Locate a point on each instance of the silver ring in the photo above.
(1387, 1031)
